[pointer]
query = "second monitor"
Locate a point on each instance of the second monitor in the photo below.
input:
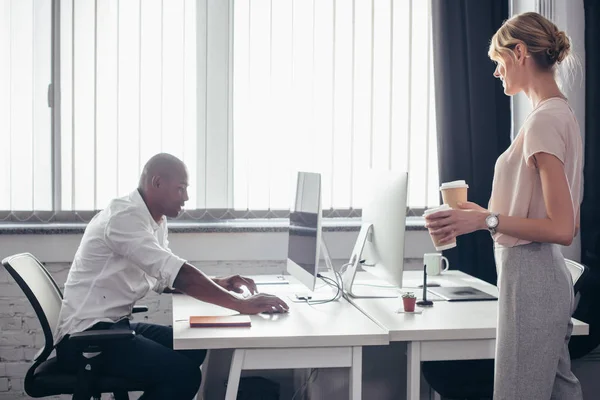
(305, 242)
(305, 230)
(379, 248)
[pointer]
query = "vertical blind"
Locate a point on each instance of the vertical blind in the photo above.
(336, 87)
(128, 92)
(332, 86)
(25, 119)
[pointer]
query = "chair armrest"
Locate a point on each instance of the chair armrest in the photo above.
(138, 309)
(103, 335)
(90, 345)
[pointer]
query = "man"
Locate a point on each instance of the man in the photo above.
(123, 254)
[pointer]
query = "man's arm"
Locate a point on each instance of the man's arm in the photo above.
(218, 281)
(193, 282)
(127, 235)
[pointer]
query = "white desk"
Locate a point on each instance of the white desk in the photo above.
(309, 336)
(446, 331)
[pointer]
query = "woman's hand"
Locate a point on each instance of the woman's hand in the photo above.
(449, 224)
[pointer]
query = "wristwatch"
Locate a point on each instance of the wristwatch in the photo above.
(492, 222)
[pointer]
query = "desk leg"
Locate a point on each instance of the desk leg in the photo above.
(235, 371)
(204, 368)
(413, 378)
(356, 374)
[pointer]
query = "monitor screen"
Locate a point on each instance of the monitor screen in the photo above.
(304, 223)
(302, 246)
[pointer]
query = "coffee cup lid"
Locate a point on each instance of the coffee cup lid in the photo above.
(454, 184)
(443, 207)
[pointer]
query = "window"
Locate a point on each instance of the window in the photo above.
(336, 87)
(25, 129)
(245, 92)
(128, 87)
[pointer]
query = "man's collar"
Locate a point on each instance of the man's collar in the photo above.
(137, 198)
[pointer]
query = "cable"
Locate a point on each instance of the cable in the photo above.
(338, 283)
(332, 283)
(302, 388)
(344, 267)
(364, 264)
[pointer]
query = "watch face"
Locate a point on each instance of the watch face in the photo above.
(492, 221)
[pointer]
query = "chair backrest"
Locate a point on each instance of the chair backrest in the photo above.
(577, 270)
(41, 291)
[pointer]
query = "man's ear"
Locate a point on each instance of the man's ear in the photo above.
(156, 181)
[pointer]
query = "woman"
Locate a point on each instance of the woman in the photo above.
(534, 207)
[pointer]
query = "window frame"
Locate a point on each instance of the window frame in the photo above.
(214, 185)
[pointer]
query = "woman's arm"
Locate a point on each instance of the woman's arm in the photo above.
(558, 228)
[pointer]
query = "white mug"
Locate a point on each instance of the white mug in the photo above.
(433, 263)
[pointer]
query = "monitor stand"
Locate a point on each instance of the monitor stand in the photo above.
(330, 294)
(312, 297)
(355, 290)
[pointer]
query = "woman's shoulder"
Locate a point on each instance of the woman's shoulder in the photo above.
(555, 108)
(553, 114)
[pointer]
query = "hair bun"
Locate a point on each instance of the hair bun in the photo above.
(560, 48)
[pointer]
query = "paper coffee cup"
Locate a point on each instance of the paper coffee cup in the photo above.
(454, 192)
(440, 246)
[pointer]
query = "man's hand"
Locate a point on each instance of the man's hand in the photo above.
(191, 281)
(235, 283)
(262, 303)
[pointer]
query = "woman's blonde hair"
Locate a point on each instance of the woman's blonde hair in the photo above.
(547, 45)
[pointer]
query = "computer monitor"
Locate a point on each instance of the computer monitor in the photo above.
(305, 230)
(380, 242)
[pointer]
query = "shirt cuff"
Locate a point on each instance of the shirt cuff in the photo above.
(169, 273)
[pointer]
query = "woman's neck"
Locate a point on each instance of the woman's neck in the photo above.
(543, 87)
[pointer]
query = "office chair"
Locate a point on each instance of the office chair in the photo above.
(474, 379)
(579, 274)
(44, 377)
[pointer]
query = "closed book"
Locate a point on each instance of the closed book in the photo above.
(219, 321)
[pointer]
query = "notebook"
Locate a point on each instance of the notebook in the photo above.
(461, 293)
(220, 321)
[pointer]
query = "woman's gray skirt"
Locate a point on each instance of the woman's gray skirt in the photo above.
(534, 325)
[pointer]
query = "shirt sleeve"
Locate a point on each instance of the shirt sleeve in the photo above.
(544, 135)
(166, 238)
(127, 234)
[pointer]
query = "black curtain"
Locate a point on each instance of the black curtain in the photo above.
(473, 113)
(589, 303)
(590, 211)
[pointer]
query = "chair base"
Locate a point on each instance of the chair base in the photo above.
(50, 380)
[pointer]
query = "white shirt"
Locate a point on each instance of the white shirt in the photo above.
(123, 254)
